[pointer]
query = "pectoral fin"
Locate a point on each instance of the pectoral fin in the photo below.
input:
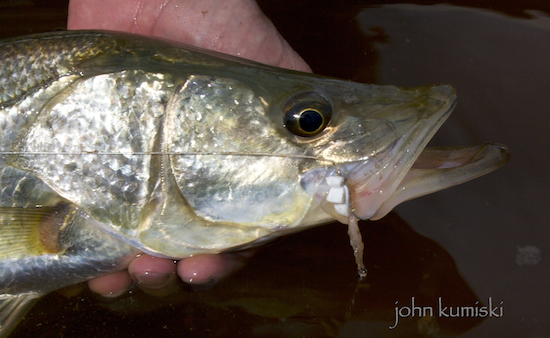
(26, 232)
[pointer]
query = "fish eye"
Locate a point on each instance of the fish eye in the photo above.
(307, 114)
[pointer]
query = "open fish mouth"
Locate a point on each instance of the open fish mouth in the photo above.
(406, 169)
(436, 169)
(372, 196)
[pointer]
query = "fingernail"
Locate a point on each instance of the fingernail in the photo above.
(113, 294)
(153, 280)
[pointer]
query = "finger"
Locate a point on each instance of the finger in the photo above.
(100, 14)
(204, 271)
(154, 275)
(236, 27)
(111, 285)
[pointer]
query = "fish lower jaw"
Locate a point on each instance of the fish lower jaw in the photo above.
(366, 203)
(435, 169)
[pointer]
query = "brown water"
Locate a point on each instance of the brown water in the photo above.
(477, 242)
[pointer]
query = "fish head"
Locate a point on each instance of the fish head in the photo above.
(375, 135)
(267, 145)
(374, 138)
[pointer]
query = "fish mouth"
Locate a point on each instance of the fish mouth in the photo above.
(406, 169)
(402, 168)
(439, 168)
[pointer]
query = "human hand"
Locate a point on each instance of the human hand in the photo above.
(236, 27)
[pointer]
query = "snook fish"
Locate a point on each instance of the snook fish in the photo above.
(111, 144)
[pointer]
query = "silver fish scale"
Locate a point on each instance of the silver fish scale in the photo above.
(16, 120)
(218, 114)
(30, 64)
(21, 189)
(124, 118)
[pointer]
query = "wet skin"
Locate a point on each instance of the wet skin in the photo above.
(236, 27)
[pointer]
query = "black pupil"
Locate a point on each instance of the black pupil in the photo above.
(310, 120)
